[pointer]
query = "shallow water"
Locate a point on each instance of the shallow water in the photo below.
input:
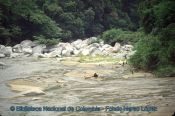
(111, 90)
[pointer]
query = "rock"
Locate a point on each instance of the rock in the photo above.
(54, 54)
(2, 46)
(38, 55)
(96, 45)
(33, 92)
(97, 51)
(17, 48)
(116, 47)
(7, 51)
(67, 52)
(14, 55)
(27, 43)
(77, 44)
(67, 49)
(106, 48)
(2, 56)
(27, 50)
(127, 47)
(38, 49)
(85, 52)
(76, 52)
(91, 40)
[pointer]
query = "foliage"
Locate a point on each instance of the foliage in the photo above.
(118, 35)
(165, 71)
(42, 40)
(98, 58)
(67, 20)
(155, 51)
(146, 56)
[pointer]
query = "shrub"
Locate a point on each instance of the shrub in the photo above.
(146, 56)
(42, 40)
(118, 35)
(165, 71)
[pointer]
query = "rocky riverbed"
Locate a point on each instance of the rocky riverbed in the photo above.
(28, 81)
(79, 73)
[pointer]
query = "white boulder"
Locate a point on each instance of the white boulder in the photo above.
(116, 47)
(17, 48)
(38, 49)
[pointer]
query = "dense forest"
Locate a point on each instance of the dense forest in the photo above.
(65, 20)
(149, 24)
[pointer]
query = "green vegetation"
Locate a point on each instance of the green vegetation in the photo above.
(117, 35)
(65, 20)
(99, 58)
(42, 40)
(155, 52)
(51, 21)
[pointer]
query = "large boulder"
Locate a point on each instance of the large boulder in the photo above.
(27, 50)
(67, 49)
(94, 45)
(54, 54)
(96, 51)
(77, 44)
(67, 52)
(7, 51)
(17, 48)
(90, 40)
(127, 47)
(116, 47)
(76, 52)
(85, 52)
(38, 49)
(27, 43)
(107, 49)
